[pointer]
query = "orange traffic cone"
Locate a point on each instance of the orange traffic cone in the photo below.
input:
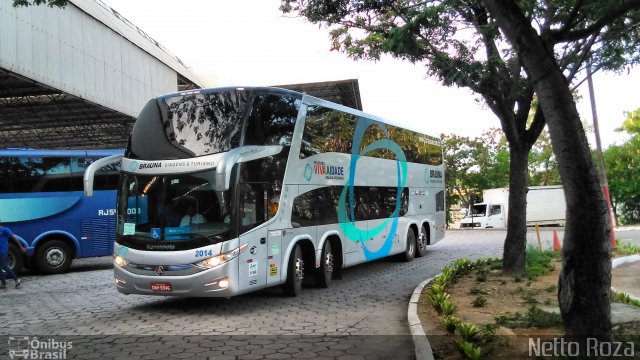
(556, 242)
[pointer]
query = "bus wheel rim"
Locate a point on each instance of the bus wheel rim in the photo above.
(55, 257)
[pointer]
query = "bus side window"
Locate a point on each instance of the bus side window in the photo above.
(105, 179)
(56, 174)
(7, 174)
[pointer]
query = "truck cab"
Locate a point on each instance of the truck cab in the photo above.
(484, 215)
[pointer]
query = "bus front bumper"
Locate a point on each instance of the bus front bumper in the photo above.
(220, 281)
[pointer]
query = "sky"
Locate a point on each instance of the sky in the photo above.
(251, 43)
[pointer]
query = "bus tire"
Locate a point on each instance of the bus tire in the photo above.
(410, 250)
(421, 247)
(53, 257)
(295, 273)
(15, 259)
(324, 273)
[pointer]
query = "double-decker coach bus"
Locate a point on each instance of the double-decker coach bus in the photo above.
(42, 202)
(230, 190)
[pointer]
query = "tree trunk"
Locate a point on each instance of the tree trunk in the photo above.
(513, 257)
(585, 280)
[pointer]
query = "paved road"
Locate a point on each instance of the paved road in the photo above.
(629, 234)
(370, 302)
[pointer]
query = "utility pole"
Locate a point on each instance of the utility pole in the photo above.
(602, 175)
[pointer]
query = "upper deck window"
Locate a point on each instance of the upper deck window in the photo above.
(272, 120)
(206, 123)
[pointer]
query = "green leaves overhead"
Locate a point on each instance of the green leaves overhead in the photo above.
(50, 3)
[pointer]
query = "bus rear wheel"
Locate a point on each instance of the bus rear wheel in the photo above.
(410, 250)
(53, 257)
(15, 259)
(324, 273)
(421, 248)
(295, 273)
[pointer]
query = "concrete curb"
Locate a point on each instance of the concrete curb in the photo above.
(627, 228)
(420, 341)
(623, 260)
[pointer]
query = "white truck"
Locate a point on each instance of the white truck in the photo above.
(545, 206)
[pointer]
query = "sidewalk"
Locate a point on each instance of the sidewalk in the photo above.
(625, 277)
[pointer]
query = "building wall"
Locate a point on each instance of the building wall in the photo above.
(72, 51)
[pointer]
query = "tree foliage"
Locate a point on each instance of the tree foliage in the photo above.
(505, 51)
(623, 172)
(474, 164)
(50, 3)
(460, 44)
(632, 124)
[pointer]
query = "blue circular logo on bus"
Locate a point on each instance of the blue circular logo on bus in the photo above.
(308, 172)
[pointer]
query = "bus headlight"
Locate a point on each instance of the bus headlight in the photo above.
(212, 262)
(119, 261)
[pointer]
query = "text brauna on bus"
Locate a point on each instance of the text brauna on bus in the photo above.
(283, 186)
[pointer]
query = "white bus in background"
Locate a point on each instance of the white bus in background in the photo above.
(230, 190)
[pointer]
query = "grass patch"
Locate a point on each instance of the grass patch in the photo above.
(539, 262)
(533, 318)
(626, 249)
(479, 301)
(476, 291)
(623, 298)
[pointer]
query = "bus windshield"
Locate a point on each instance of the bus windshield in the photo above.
(177, 207)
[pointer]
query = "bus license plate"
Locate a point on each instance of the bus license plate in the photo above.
(161, 286)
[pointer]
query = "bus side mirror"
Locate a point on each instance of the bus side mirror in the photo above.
(90, 173)
(238, 155)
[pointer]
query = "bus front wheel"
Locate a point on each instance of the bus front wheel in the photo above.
(16, 259)
(53, 257)
(295, 273)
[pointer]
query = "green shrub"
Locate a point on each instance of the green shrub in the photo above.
(437, 300)
(468, 350)
(440, 280)
(448, 274)
(476, 291)
(535, 317)
(539, 262)
(482, 275)
(479, 301)
(448, 308)
(462, 266)
(450, 323)
(467, 331)
(436, 288)
(529, 298)
(620, 297)
(626, 249)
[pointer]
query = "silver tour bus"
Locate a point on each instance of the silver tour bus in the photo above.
(229, 190)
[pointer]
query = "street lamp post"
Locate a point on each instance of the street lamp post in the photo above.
(600, 163)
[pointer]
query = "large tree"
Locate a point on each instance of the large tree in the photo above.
(505, 51)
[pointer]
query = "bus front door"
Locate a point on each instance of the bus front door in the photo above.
(253, 261)
(274, 257)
